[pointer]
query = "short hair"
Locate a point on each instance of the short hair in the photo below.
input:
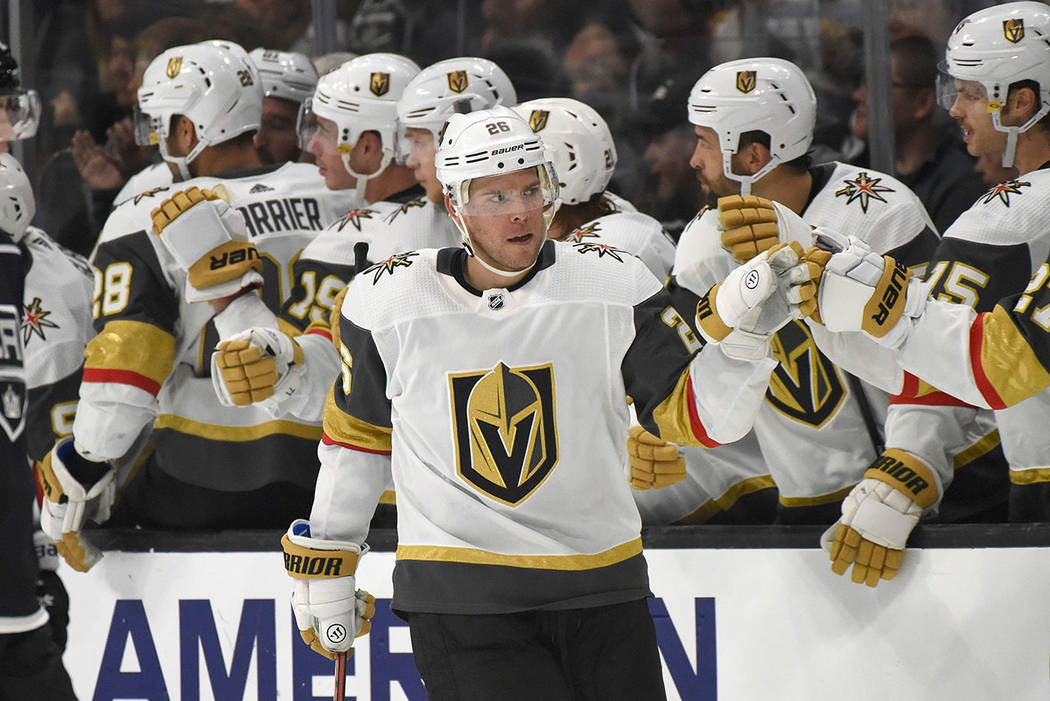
(917, 61)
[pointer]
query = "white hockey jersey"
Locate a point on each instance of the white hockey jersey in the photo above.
(504, 415)
(150, 362)
(633, 232)
(56, 325)
(813, 430)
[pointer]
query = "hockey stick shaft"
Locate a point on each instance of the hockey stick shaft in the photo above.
(340, 677)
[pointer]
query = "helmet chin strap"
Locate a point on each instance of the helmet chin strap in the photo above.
(458, 221)
(746, 180)
(362, 180)
(1010, 152)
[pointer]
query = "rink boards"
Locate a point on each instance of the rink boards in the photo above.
(762, 619)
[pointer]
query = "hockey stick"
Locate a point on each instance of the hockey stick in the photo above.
(340, 677)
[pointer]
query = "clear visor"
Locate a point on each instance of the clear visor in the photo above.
(147, 128)
(518, 193)
(306, 124)
(948, 92)
(20, 116)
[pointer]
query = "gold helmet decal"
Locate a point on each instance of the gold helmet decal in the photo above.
(538, 119)
(745, 81)
(457, 81)
(174, 67)
(1013, 30)
(379, 84)
(505, 430)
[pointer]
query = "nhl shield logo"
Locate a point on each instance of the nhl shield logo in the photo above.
(379, 84)
(538, 119)
(745, 81)
(505, 432)
(1013, 30)
(457, 81)
(174, 67)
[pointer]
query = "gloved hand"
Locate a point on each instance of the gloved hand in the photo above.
(329, 608)
(655, 463)
(750, 225)
(256, 364)
(860, 290)
(756, 299)
(208, 240)
(878, 515)
(75, 490)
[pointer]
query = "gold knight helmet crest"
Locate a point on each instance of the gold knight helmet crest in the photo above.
(379, 84)
(745, 81)
(174, 67)
(1013, 30)
(538, 119)
(457, 81)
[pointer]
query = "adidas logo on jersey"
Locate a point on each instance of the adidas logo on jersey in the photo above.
(256, 189)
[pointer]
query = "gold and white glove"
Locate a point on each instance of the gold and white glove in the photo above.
(879, 514)
(75, 490)
(655, 463)
(860, 290)
(209, 241)
(749, 225)
(255, 365)
(330, 610)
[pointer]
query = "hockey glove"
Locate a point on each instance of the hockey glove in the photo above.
(209, 241)
(755, 300)
(75, 490)
(329, 609)
(256, 364)
(655, 463)
(861, 290)
(750, 225)
(878, 515)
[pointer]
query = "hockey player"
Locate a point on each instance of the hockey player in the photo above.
(495, 379)
(754, 124)
(149, 365)
(1000, 70)
(288, 80)
(584, 157)
(32, 631)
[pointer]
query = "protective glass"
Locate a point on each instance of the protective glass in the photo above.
(510, 194)
(20, 116)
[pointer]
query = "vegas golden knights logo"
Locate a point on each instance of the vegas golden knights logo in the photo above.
(538, 119)
(805, 386)
(379, 84)
(457, 81)
(174, 67)
(1013, 30)
(505, 432)
(745, 81)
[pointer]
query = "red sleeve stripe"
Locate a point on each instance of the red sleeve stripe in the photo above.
(694, 419)
(985, 386)
(328, 440)
(320, 332)
(910, 395)
(122, 377)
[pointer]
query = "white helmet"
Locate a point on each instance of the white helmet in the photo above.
(491, 142)
(999, 46)
(463, 84)
(764, 94)
(361, 95)
(578, 142)
(17, 204)
(211, 86)
(285, 74)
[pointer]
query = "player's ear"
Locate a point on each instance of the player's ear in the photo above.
(183, 132)
(451, 212)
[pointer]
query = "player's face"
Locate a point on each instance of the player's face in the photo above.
(707, 162)
(324, 146)
(276, 140)
(421, 161)
(970, 110)
(504, 218)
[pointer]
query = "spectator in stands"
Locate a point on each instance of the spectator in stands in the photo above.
(931, 160)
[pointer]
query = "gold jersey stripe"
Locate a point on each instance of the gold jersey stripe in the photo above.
(349, 430)
(237, 434)
(727, 500)
(474, 556)
(132, 346)
(978, 449)
(388, 497)
(1006, 360)
(676, 418)
(1034, 475)
(288, 329)
(817, 500)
